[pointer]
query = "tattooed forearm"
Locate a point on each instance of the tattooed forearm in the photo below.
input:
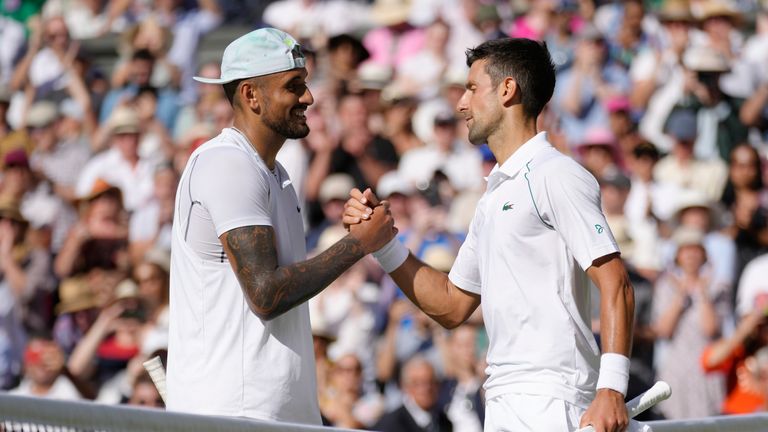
(271, 290)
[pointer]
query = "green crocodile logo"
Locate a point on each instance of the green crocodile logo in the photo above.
(507, 206)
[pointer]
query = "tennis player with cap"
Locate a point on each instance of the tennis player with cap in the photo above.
(538, 235)
(240, 341)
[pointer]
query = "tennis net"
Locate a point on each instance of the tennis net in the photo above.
(25, 414)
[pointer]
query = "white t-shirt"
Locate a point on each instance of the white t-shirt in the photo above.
(137, 183)
(223, 359)
(536, 230)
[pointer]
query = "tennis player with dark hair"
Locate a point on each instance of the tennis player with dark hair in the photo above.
(240, 342)
(538, 235)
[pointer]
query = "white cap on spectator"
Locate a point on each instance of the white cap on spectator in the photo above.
(392, 183)
(336, 186)
(42, 114)
(373, 75)
(70, 108)
(687, 236)
(261, 52)
(124, 120)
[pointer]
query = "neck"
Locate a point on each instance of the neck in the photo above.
(510, 137)
(263, 139)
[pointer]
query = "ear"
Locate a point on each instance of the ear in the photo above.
(250, 96)
(509, 92)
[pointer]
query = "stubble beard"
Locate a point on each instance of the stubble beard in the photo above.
(479, 132)
(287, 126)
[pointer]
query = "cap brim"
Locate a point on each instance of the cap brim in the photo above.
(212, 80)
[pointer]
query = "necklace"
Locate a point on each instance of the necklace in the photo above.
(275, 171)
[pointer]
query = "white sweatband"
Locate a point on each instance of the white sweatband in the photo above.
(614, 372)
(392, 255)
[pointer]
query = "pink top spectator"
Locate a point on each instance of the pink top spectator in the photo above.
(390, 49)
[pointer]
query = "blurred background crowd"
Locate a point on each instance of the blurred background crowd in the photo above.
(664, 101)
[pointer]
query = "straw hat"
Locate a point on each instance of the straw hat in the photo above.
(391, 12)
(676, 10)
(75, 294)
(124, 120)
(717, 8)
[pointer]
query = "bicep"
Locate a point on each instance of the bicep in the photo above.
(608, 272)
(465, 301)
(251, 252)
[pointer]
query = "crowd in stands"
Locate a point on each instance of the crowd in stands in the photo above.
(664, 101)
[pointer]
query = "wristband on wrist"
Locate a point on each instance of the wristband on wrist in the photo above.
(392, 255)
(614, 372)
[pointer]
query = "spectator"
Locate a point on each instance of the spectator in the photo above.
(461, 392)
(681, 169)
(121, 165)
(584, 88)
(144, 393)
(345, 403)
(658, 74)
(689, 307)
(99, 238)
(139, 72)
(45, 374)
(150, 225)
(419, 410)
(718, 127)
(737, 357)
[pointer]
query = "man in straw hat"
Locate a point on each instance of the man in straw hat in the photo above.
(538, 236)
(240, 341)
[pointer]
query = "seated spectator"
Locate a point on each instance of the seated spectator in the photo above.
(419, 410)
(599, 153)
(45, 374)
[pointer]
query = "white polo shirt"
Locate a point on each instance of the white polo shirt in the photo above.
(536, 229)
(223, 359)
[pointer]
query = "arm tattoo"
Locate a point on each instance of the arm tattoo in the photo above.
(272, 290)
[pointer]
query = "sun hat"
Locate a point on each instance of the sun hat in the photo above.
(261, 52)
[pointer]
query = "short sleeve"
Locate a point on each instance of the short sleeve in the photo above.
(232, 188)
(572, 208)
(465, 272)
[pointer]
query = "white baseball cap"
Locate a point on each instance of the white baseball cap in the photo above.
(261, 52)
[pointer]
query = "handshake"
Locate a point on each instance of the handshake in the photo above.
(368, 220)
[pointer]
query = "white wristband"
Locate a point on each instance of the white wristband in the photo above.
(392, 255)
(614, 372)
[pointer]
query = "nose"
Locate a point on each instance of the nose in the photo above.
(463, 103)
(307, 98)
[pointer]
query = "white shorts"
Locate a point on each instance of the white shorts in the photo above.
(522, 412)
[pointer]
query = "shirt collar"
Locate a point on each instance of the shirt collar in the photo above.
(522, 155)
(421, 417)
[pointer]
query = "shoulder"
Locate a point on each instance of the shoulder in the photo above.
(551, 167)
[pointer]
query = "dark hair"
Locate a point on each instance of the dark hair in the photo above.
(230, 89)
(147, 89)
(729, 192)
(143, 54)
(527, 61)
